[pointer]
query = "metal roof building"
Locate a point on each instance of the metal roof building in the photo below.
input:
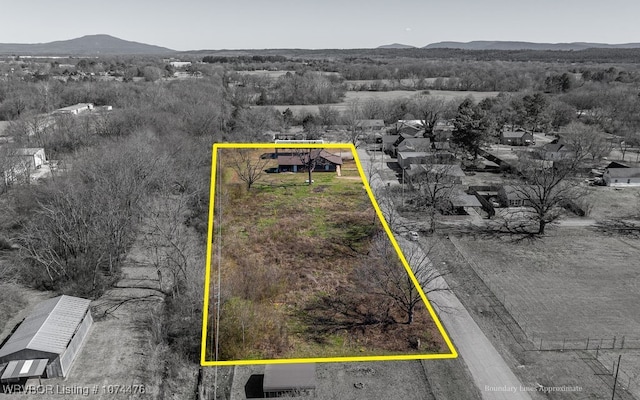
(55, 330)
(289, 379)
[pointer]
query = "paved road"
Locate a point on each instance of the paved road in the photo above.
(490, 372)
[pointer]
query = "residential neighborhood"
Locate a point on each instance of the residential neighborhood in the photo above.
(164, 210)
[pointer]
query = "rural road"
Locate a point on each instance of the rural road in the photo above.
(490, 372)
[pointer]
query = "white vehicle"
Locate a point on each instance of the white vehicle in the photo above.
(413, 235)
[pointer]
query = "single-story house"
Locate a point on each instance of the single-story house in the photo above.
(622, 176)
(438, 173)
(370, 125)
(48, 340)
(74, 109)
(516, 138)
(557, 152)
(410, 127)
(414, 144)
(297, 162)
(515, 196)
(388, 142)
(407, 158)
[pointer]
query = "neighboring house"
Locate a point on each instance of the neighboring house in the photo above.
(622, 176)
(413, 144)
(435, 173)
(388, 142)
(517, 138)
(557, 152)
(407, 158)
(48, 340)
(412, 128)
(296, 162)
(514, 196)
(74, 109)
(370, 125)
(443, 131)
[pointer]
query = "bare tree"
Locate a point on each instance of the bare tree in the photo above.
(247, 164)
(310, 159)
(429, 110)
(545, 190)
(586, 141)
(352, 118)
(627, 142)
(433, 186)
(387, 276)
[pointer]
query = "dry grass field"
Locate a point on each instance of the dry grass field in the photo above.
(572, 283)
(292, 258)
(608, 202)
(352, 96)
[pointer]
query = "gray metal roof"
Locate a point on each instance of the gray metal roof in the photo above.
(50, 326)
(282, 377)
(623, 172)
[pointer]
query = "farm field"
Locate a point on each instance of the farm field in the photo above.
(571, 284)
(276, 74)
(351, 96)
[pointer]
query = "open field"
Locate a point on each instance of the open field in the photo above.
(293, 261)
(572, 284)
(352, 96)
(276, 74)
(608, 202)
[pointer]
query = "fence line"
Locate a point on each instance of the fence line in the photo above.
(627, 379)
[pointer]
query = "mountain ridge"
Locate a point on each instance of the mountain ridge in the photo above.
(517, 45)
(99, 44)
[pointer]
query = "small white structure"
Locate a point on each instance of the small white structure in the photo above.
(19, 163)
(33, 156)
(75, 109)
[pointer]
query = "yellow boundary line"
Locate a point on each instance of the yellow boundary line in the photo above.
(205, 310)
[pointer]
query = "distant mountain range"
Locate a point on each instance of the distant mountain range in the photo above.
(506, 45)
(396, 46)
(94, 45)
(86, 45)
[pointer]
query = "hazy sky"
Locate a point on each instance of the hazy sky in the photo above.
(313, 24)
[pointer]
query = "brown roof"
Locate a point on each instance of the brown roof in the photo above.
(303, 157)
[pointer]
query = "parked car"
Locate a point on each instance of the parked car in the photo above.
(413, 235)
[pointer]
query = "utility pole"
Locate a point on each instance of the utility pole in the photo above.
(615, 380)
(403, 186)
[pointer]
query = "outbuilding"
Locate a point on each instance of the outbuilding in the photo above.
(622, 176)
(54, 331)
(289, 379)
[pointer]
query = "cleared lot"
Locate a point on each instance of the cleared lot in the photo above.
(352, 96)
(573, 284)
